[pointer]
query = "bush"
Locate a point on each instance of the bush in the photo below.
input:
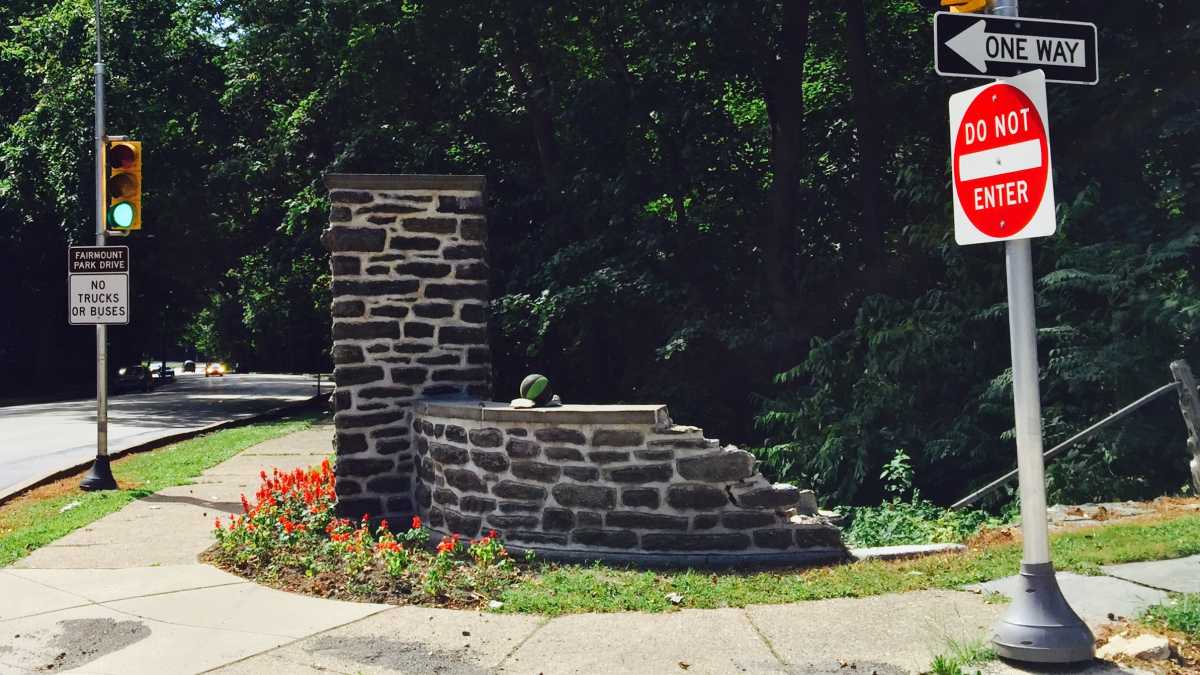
(291, 537)
(912, 522)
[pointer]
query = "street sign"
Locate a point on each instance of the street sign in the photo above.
(1000, 156)
(98, 285)
(975, 45)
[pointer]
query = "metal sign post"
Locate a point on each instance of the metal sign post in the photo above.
(100, 477)
(1039, 625)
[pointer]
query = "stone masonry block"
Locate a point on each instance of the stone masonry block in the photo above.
(365, 330)
(507, 489)
(620, 438)
(638, 520)
(732, 541)
(560, 435)
(585, 496)
(363, 239)
(696, 496)
(487, 438)
(727, 466)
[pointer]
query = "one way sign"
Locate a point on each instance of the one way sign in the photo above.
(977, 45)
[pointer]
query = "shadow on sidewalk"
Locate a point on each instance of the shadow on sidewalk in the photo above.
(227, 507)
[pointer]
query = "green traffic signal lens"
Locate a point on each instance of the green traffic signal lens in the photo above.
(121, 215)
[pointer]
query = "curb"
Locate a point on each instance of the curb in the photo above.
(21, 488)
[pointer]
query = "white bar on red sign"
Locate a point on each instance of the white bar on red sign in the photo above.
(1004, 159)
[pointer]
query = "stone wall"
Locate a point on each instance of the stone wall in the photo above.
(411, 361)
(410, 291)
(608, 482)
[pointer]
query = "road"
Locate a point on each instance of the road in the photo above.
(41, 439)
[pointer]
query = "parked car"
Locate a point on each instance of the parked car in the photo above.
(215, 370)
(189, 366)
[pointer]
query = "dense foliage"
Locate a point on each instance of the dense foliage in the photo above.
(687, 199)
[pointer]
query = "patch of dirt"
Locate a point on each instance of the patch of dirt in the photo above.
(375, 586)
(1097, 515)
(389, 654)
(1000, 536)
(71, 644)
(1185, 653)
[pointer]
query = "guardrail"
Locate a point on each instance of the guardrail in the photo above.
(1189, 404)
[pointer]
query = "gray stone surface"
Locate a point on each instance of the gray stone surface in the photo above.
(1180, 576)
(908, 551)
(905, 630)
(692, 641)
(1092, 598)
(402, 640)
(490, 411)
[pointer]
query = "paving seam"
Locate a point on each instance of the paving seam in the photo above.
(764, 638)
(49, 611)
(545, 622)
(88, 603)
(121, 599)
(189, 625)
(300, 639)
(1139, 583)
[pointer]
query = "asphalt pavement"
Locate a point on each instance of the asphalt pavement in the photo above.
(41, 439)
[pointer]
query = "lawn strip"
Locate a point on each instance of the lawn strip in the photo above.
(569, 589)
(36, 519)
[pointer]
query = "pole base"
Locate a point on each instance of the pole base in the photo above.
(1040, 627)
(100, 477)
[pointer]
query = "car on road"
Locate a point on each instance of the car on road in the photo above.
(215, 370)
(163, 374)
(189, 366)
(132, 378)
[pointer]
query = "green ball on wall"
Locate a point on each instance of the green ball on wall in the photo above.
(536, 388)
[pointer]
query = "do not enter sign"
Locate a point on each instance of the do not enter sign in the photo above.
(1000, 151)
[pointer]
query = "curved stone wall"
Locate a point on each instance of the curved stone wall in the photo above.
(616, 483)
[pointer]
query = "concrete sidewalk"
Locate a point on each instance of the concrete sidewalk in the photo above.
(126, 595)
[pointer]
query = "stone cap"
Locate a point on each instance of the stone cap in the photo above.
(493, 411)
(403, 181)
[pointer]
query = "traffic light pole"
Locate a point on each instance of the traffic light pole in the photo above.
(1039, 625)
(100, 477)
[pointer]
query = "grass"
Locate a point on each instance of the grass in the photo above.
(961, 654)
(1181, 613)
(568, 589)
(37, 518)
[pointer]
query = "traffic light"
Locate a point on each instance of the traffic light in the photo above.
(123, 186)
(966, 6)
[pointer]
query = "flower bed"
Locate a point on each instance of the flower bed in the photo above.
(289, 537)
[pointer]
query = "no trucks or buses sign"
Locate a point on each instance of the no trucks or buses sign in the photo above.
(98, 285)
(1000, 156)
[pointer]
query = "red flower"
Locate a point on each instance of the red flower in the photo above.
(217, 523)
(448, 544)
(416, 522)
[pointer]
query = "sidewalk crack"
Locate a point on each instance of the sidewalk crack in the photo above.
(766, 641)
(545, 622)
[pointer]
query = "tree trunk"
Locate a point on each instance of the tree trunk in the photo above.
(785, 108)
(871, 247)
(520, 51)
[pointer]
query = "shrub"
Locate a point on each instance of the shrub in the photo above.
(913, 520)
(291, 536)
